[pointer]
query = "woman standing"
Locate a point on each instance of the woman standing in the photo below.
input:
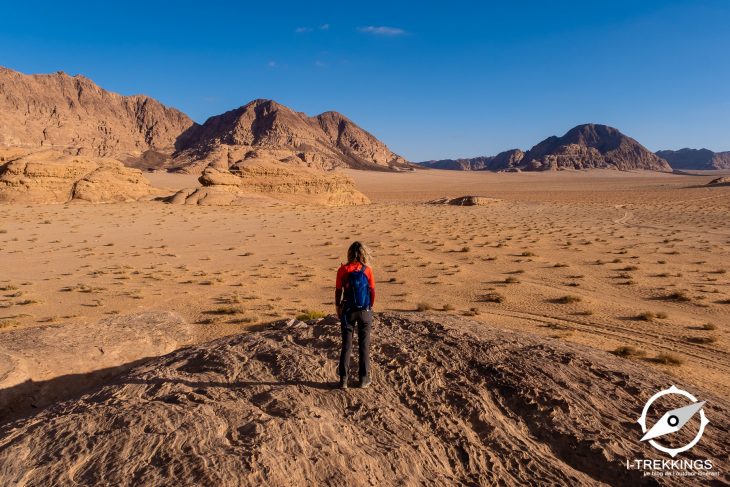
(354, 300)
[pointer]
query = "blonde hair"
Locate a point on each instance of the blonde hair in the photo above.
(359, 252)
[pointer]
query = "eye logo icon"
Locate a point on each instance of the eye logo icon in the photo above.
(673, 421)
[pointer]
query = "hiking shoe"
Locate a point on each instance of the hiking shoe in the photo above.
(365, 382)
(343, 382)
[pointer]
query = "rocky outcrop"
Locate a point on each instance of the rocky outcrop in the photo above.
(261, 176)
(53, 177)
(268, 129)
(43, 364)
(453, 402)
(465, 201)
(592, 146)
(723, 181)
(501, 162)
(699, 159)
(74, 115)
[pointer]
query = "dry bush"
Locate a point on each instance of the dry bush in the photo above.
(666, 358)
(568, 299)
(423, 307)
(627, 351)
(493, 297)
(702, 340)
(311, 315)
(678, 296)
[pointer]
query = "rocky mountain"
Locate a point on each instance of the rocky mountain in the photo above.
(695, 159)
(502, 161)
(591, 146)
(586, 146)
(268, 129)
(73, 114)
(453, 402)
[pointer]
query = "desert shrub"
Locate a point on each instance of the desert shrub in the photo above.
(568, 299)
(493, 298)
(702, 340)
(666, 358)
(627, 351)
(423, 307)
(311, 315)
(678, 296)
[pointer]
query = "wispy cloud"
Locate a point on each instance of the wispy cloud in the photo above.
(306, 29)
(272, 64)
(382, 30)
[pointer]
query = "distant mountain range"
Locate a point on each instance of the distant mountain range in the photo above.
(74, 115)
(587, 146)
(696, 159)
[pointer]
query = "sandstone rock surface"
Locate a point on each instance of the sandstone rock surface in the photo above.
(259, 177)
(53, 177)
(453, 402)
(40, 365)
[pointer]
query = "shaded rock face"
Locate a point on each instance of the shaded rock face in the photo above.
(592, 146)
(74, 115)
(252, 178)
(465, 201)
(54, 177)
(453, 402)
(41, 365)
(501, 162)
(696, 159)
(269, 129)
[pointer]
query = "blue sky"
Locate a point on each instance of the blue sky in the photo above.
(430, 79)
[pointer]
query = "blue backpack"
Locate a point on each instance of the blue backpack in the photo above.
(357, 290)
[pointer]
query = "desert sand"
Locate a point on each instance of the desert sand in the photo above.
(630, 270)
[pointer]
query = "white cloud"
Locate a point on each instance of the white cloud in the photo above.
(324, 27)
(382, 30)
(302, 30)
(272, 64)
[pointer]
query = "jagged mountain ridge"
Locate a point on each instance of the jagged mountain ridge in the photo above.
(73, 114)
(267, 128)
(702, 159)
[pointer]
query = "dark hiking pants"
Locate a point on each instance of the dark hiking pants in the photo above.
(363, 320)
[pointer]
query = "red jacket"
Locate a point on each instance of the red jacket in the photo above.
(342, 273)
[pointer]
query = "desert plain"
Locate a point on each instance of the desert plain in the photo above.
(633, 263)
